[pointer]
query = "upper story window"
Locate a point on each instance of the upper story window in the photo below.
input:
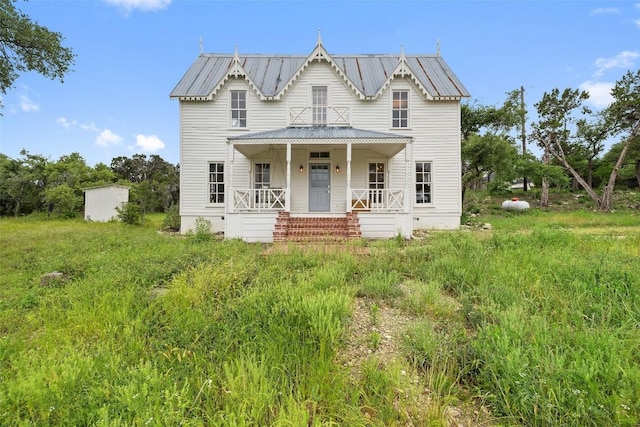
(319, 105)
(400, 109)
(238, 108)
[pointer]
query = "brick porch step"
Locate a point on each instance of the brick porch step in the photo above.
(317, 229)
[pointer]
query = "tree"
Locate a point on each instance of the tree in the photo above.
(591, 137)
(156, 182)
(624, 116)
(630, 169)
(487, 147)
(63, 199)
(22, 183)
(27, 46)
(556, 113)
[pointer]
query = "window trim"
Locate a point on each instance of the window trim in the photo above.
(210, 183)
(245, 109)
(416, 183)
(400, 109)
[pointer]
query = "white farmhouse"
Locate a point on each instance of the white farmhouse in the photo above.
(272, 144)
(100, 203)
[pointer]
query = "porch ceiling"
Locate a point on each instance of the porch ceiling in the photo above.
(387, 144)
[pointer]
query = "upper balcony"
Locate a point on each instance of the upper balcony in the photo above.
(319, 116)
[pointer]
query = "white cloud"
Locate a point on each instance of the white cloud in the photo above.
(149, 144)
(624, 59)
(28, 105)
(67, 124)
(599, 93)
(142, 5)
(637, 21)
(89, 127)
(604, 11)
(107, 138)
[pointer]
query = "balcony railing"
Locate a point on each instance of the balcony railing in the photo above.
(259, 199)
(376, 200)
(319, 116)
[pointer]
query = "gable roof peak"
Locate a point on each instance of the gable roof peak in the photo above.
(319, 42)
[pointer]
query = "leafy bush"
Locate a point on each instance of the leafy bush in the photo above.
(201, 231)
(172, 220)
(129, 213)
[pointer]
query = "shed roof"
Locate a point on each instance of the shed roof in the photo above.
(106, 186)
(271, 75)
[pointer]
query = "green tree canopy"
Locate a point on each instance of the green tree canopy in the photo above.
(27, 46)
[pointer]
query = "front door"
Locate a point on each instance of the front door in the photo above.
(319, 187)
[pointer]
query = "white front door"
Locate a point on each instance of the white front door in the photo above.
(319, 187)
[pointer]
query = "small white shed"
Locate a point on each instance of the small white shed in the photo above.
(100, 202)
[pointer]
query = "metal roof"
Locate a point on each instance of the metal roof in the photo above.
(319, 132)
(270, 74)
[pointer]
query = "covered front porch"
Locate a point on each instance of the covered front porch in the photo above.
(319, 172)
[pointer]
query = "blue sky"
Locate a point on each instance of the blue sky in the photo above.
(131, 53)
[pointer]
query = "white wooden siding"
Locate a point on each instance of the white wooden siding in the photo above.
(433, 125)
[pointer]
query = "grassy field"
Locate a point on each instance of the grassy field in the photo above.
(535, 322)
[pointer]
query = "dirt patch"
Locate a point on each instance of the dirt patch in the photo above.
(376, 332)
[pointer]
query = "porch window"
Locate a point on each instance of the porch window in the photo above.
(319, 155)
(400, 109)
(262, 175)
(424, 190)
(376, 182)
(216, 182)
(319, 105)
(238, 108)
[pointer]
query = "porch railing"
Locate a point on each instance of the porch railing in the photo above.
(259, 199)
(324, 116)
(377, 199)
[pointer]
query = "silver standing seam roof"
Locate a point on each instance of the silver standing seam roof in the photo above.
(320, 132)
(270, 74)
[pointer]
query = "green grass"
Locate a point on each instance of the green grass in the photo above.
(538, 319)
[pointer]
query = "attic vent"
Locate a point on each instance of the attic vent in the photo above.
(319, 155)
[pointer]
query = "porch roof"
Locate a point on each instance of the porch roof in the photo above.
(386, 143)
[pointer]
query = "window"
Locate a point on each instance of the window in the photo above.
(319, 105)
(376, 182)
(238, 109)
(423, 182)
(262, 175)
(319, 155)
(216, 182)
(400, 109)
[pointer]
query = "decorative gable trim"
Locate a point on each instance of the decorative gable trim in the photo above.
(320, 54)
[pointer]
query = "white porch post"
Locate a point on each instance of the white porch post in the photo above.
(349, 176)
(231, 149)
(408, 180)
(287, 197)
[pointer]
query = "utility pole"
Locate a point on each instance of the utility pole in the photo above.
(523, 136)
